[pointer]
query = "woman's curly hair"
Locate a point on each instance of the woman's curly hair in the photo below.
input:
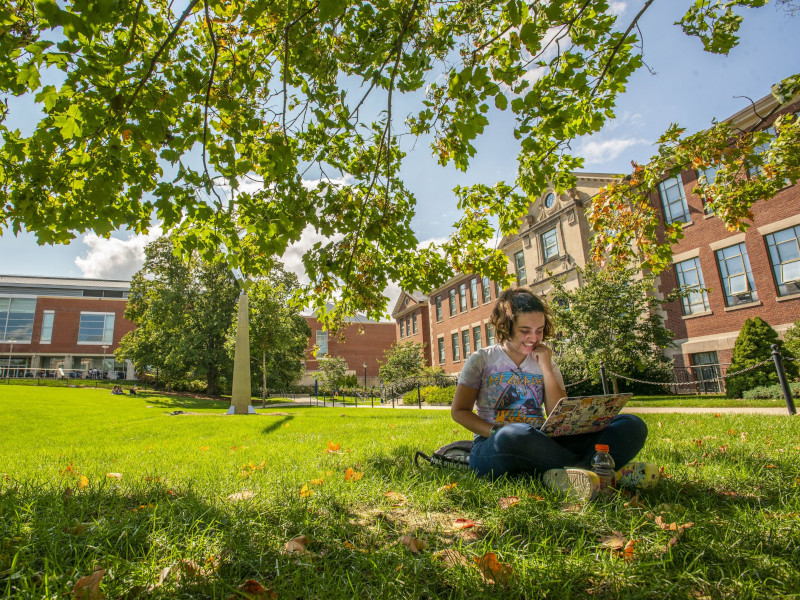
(513, 302)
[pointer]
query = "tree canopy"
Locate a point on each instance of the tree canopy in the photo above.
(402, 361)
(206, 118)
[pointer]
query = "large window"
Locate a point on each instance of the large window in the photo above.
(462, 296)
(490, 334)
(16, 319)
(322, 342)
(96, 328)
(456, 351)
(476, 337)
(47, 327)
(402, 328)
(465, 342)
(549, 244)
(438, 309)
(737, 278)
(453, 307)
(519, 266)
(707, 177)
(690, 277)
(414, 322)
(784, 254)
(673, 200)
(441, 350)
(473, 292)
(486, 290)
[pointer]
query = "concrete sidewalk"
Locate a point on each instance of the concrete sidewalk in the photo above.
(729, 410)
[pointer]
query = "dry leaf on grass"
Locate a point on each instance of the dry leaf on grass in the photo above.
(116, 476)
(396, 497)
(333, 448)
(83, 481)
(672, 526)
(506, 503)
(252, 590)
(297, 545)
(351, 475)
(243, 495)
(451, 558)
(464, 523)
(88, 588)
(305, 492)
(449, 486)
(492, 570)
(619, 545)
(412, 543)
(317, 481)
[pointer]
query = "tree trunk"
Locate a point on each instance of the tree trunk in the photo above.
(264, 378)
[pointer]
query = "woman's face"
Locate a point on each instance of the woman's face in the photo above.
(526, 333)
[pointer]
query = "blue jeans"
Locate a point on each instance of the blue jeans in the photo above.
(519, 449)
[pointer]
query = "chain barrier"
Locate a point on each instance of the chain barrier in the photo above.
(676, 384)
(577, 382)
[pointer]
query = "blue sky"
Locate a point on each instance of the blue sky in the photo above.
(681, 84)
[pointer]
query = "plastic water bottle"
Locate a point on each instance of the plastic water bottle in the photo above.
(603, 465)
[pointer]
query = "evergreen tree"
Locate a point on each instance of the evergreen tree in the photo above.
(754, 345)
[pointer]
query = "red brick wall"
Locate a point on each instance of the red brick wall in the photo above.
(361, 343)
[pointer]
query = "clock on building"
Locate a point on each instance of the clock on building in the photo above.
(550, 200)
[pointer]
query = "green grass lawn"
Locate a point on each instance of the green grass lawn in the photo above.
(195, 505)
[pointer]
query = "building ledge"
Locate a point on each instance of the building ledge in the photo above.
(695, 315)
(743, 306)
(789, 297)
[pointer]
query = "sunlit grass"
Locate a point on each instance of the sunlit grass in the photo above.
(168, 506)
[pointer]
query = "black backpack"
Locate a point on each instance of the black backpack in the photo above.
(455, 455)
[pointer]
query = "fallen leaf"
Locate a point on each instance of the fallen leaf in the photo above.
(537, 498)
(243, 495)
(188, 569)
(506, 503)
(615, 541)
(286, 425)
(319, 481)
(88, 588)
(396, 497)
(203, 448)
(412, 543)
(672, 526)
(333, 448)
(572, 507)
(252, 590)
(770, 467)
(351, 475)
(449, 486)
(117, 476)
(77, 530)
(305, 492)
(464, 523)
(629, 553)
(492, 570)
(153, 479)
(297, 545)
(392, 426)
(451, 558)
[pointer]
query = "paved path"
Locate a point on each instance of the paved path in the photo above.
(772, 410)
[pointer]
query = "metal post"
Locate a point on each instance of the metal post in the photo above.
(603, 377)
(8, 367)
(372, 399)
(787, 393)
(419, 397)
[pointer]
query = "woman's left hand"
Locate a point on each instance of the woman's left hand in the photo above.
(543, 355)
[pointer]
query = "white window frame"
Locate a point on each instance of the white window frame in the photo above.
(48, 318)
(743, 289)
(4, 337)
(519, 268)
(321, 341)
(456, 348)
(695, 298)
(550, 248)
(442, 354)
(669, 201)
(107, 339)
(785, 272)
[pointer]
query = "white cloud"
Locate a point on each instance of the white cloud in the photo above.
(114, 258)
(617, 8)
(601, 152)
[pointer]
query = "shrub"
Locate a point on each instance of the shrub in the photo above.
(771, 392)
(754, 345)
(430, 394)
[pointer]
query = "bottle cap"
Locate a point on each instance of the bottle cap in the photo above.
(601, 447)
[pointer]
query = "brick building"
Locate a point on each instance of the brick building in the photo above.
(49, 324)
(453, 320)
(362, 342)
(746, 274)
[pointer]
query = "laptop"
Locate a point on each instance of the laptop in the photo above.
(583, 414)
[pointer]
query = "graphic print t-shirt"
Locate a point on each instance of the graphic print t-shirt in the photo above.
(507, 393)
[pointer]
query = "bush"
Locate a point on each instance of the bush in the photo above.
(430, 394)
(771, 392)
(754, 345)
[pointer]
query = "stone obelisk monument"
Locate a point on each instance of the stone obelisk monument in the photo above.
(240, 395)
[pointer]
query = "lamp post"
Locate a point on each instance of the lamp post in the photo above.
(103, 365)
(10, 350)
(365, 376)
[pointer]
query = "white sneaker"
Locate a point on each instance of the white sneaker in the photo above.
(578, 484)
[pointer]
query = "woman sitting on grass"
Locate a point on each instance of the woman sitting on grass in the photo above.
(513, 384)
(117, 391)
